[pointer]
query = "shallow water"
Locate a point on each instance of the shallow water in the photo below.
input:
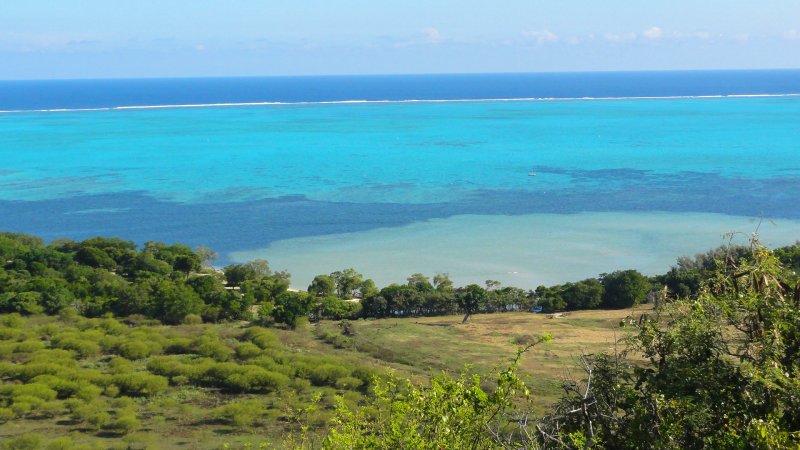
(523, 251)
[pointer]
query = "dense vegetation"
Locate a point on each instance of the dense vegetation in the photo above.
(173, 282)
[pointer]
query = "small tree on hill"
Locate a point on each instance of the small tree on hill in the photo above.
(470, 299)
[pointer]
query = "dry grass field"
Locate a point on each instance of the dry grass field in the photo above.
(422, 346)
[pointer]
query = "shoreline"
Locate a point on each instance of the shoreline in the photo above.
(520, 251)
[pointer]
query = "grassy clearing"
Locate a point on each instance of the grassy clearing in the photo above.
(421, 346)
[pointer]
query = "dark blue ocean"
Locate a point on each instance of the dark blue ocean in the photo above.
(524, 178)
(77, 94)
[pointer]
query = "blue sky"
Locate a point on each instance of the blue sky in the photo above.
(149, 38)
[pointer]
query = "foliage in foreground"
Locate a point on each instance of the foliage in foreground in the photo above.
(723, 370)
(450, 413)
(720, 370)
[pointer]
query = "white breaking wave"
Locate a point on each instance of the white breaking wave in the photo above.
(345, 102)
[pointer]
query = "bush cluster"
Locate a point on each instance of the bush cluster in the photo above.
(102, 373)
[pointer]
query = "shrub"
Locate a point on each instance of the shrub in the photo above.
(256, 379)
(192, 319)
(20, 408)
(327, 374)
(217, 374)
(31, 370)
(13, 320)
(124, 403)
(6, 414)
(165, 365)
(179, 345)
(81, 346)
(270, 364)
(92, 413)
(125, 423)
(48, 330)
(247, 350)
(64, 387)
(111, 390)
(120, 365)
(262, 337)
(365, 374)
(96, 377)
(348, 383)
(35, 390)
(55, 355)
(140, 384)
(50, 409)
(29, 346)
(97, 419)
(28, 441)
(134, 350)
(214, 349)
(7, 334)
(300, 384)
(7, 349)
(88, 392)
(239, 413)
(61, 443)
(35, 402)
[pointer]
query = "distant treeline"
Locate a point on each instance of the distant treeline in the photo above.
(174, 284)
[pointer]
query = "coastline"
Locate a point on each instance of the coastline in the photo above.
(521, 251)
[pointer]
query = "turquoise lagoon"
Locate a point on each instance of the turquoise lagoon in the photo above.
(392, 188)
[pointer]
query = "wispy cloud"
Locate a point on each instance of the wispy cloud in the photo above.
(432, 35)
(28, 42)
(426, 36)
(541, 37)
(653, 33)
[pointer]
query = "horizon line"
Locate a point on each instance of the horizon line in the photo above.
(410, 74)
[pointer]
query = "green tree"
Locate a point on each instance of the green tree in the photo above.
(95, 257)
(347, 282)
(624, 288)
(322, 286)
(549, 299)
(441, 281)
(186, 263)
(291, 306)
(420, 282)
(586, 294)
(173, 302)
(368, 289)
(470, 299)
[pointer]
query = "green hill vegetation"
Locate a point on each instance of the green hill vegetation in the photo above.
(107, 345)
(111, 379)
